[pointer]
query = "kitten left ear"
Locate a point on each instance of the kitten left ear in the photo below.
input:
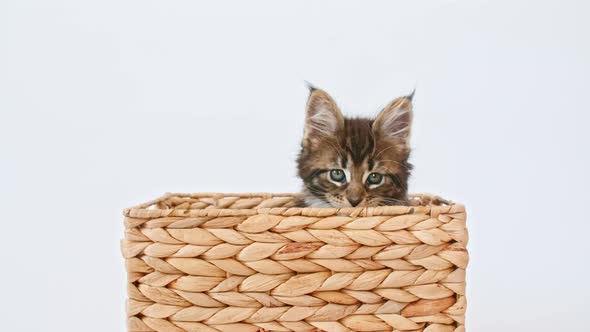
(394, 123)
(323, 118)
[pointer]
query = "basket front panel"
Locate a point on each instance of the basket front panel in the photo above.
(280, 268)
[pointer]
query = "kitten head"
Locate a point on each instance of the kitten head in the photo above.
(355, 162)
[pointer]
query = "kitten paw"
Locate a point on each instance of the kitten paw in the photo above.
(428, 199)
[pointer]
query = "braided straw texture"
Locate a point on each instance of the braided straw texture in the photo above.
(254, 262)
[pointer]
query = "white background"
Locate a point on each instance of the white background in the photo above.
(107, 104)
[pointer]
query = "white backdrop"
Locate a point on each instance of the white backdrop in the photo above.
(107, 104)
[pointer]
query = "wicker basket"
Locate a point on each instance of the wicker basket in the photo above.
(253, 262)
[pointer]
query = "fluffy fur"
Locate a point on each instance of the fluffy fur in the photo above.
(357, 147)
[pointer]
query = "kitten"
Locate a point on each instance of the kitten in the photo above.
(348, 162)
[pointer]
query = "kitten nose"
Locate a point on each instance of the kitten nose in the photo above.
(354, 200)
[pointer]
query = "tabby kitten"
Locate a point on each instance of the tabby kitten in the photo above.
(348, 162)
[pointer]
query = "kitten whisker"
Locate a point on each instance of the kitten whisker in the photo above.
(393, 201)
(383, 150)
(406, 166)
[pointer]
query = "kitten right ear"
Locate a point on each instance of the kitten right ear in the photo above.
(323, 118)
(394, 123)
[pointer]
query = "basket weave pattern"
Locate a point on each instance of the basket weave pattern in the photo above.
(253, 262)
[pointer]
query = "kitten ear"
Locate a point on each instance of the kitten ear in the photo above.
(394, 123)
(322, 118)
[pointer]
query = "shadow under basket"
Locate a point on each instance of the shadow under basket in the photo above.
(255, 262)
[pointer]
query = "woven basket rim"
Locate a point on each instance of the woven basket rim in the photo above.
(150, 210)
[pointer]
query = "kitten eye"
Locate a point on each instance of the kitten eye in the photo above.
(374, 178)
(337, 175)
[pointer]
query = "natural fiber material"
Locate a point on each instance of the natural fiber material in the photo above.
(253, 262)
